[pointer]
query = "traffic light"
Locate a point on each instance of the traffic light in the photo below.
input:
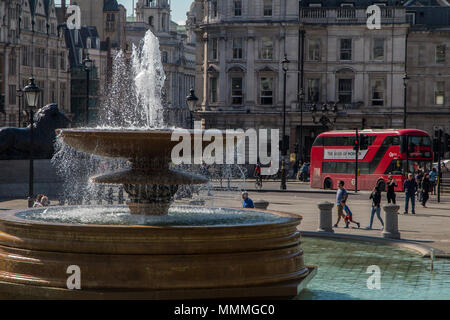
(356, 144)
(364, 142)
(446, 142)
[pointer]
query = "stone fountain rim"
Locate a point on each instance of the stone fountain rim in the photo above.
(10, 216)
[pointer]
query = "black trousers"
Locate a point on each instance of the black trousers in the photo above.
(425, 197)
(391, 198)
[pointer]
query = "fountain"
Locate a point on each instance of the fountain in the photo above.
(148, 249)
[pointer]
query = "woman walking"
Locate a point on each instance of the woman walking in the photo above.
(376, 207)
(391, 190)
(426, 188)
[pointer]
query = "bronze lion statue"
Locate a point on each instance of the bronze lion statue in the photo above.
(15, 142)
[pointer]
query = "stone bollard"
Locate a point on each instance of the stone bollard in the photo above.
(391, 222)
(325, 217)
(261, 204)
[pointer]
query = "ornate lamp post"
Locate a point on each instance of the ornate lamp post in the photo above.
(302, 101)
(87, 64)
(31, 92)
(328, 115)
(285, 66)
(405, 87)
(191, 101)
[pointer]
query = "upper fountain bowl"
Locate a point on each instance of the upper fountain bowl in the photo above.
(128, 144)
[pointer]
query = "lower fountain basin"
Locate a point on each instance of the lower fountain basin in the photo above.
(191, 253)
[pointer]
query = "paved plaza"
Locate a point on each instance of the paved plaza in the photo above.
(430, 226)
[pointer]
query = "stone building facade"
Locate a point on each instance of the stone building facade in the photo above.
(240, 46)
(32, 44)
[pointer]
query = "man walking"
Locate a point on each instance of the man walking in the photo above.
(410, 187)
(341, 198)
(247, 203)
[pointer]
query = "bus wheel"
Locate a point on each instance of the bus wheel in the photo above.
(327, 184)
(381, 184)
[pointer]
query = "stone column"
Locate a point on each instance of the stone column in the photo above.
(222, 87)
(325, 217)
(250, 75)
(391, 222)
(205, 102)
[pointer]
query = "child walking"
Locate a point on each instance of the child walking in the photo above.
(349, 217)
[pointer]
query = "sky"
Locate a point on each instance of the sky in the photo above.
(179, 9)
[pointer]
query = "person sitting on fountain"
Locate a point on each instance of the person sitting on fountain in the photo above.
(247, 202)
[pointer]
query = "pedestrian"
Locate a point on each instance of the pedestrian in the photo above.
(433, 178)
(376, 207)
(391, 197)
(37, 202)
(410, 187)
(419, 178)
(247, 203)
(349, 217)
(44, 201)
(341, 199)
(426, 188)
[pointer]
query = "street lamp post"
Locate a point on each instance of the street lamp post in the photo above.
(405, 87)
(31, 92)
(191, 101)
(302, 101)
(87, 64)
(327, 117)
(285, 66)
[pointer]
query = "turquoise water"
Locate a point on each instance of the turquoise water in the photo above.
(343, 265)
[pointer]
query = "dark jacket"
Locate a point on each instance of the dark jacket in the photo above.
(410, 187)
(376, 198)
(426, 185)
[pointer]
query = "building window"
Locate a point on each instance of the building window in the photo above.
(267, 49)
(237, 48)
(377, 92)
(26, 55)
(237, 8)
(314, 49)
(439, 93)
(214, 45)
(345, 90)
(346, 49)
(313, 90)
(267, 8)
(378, 49)
(62, 93)
(163, 22)
(165, 57)
(12, 64)
(12, 94)
(150, 21)
(39, 57)
(236, 91)
(214, 8)
(213, 90)
(62, 61)
(440, 54)
(266, 91)
(52, 62)
(52, 92)
(411, 18)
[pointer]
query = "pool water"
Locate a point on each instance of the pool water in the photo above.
(342, 267)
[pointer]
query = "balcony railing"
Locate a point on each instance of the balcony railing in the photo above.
(349, 15)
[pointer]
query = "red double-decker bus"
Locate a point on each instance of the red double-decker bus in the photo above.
(390, 152)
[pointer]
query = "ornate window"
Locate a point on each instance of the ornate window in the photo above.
(267, 8)
(313, 90)
(314, 49)
(378, 49)
(266, 90)
(238, 8)
(377, 94)
(267, 49)
(439, 93)
(345, 90)
(213, 91)
(346, 49)
(237, 94)
(237, 48)
(440, 54)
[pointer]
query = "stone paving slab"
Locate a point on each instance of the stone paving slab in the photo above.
(430, 226)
